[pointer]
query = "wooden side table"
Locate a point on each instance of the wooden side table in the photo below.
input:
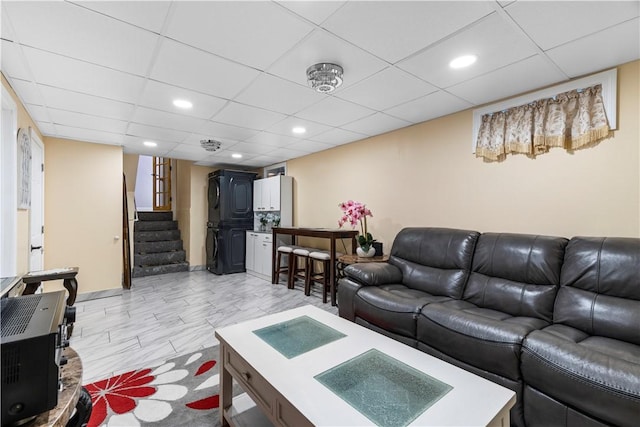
(67, 275)
(345, 260)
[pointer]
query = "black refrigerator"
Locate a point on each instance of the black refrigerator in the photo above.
(230, 197)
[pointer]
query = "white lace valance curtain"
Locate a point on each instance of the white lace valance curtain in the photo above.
(570, 120)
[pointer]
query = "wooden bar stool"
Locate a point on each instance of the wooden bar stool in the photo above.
(300, 253)
(280, 269)
(324, 257)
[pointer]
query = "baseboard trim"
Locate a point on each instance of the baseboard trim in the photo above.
(197, 267)
(99, 294)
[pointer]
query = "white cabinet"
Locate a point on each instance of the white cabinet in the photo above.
(259, 254)
(273, 194)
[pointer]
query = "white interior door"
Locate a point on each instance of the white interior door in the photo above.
(36, 217)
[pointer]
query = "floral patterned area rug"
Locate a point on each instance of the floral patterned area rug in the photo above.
(180, 392)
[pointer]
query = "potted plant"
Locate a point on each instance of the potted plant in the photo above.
(356, 213)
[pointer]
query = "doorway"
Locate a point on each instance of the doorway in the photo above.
(36, 214)
(153, 191)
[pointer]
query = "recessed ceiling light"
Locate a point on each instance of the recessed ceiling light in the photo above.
(298, 129)
(150, 144)
(236, 155)
(182, 103)
(463, 61)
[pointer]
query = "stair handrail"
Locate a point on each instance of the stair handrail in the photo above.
(126, 249)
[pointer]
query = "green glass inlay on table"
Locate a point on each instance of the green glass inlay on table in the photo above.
(298, 336)
(385, 390)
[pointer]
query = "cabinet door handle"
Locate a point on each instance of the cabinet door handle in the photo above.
(247, 376)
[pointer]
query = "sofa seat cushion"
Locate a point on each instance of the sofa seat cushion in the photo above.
(597, 375)
(485, 338)
(392, 307)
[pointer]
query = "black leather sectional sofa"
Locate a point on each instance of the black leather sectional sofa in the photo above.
(556, 320)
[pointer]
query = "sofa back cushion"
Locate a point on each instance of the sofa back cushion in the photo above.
(516, 274)
(600, 287)
(434, 260)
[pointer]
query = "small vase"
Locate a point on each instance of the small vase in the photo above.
(263, 227)
(368, 254)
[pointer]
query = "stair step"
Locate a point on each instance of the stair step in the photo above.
(155, 216)
(155, 247)
(159, 258)
(159, 269)
(154, 236)
(155, 225)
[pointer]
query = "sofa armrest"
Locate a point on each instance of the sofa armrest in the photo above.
(374, 273)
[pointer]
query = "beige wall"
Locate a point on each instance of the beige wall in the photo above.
(83, 211)
(22, 226)
(426, 175)
(191, 209)
(198, 230)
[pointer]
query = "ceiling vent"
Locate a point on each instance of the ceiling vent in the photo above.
(324, 77)
(210, 144)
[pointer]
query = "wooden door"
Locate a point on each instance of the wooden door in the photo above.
(161, 184)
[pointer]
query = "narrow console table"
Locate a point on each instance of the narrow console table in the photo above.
(67, 275)
(323, 233)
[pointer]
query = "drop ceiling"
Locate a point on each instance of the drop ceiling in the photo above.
(108, 71)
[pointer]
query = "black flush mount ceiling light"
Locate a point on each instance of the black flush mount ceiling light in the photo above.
(210, 144)
(324, 77)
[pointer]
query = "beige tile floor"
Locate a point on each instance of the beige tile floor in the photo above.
(168, 315)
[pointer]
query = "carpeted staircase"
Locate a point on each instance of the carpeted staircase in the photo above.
(157, 245)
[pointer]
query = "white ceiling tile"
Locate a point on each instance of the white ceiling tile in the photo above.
(321, 46)
(569, 20)
(13, 61)
(248, 117)
(104, 41)
(385, 89)
(28, 92)
(339, 136)
(79, 102)
(89, 135)
(272, 139)
(274, 93)
(46, 128)
(160, 96)
(262, 161)
(262, 30)
(136, 144)
(286, 126)
(151, 117)
(86, 121)
(144, 14)
(308, 146)
(594, 52)
(376, 124)
(156, 134)
(253, 148)
(80, 76)
(394, 30)
(492, 40)
(334, 112)
(315, 11)
(286, 153)
(38, 113)
(6, 28)
(218, 130)
(529, 74)
(177, 154)
(192, 149)
(429, 107)
(192, 68)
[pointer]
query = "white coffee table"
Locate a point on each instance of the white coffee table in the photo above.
(283, 391)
